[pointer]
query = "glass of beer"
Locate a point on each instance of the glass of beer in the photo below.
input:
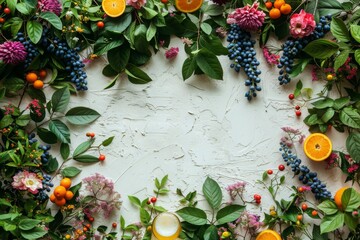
(166, 226)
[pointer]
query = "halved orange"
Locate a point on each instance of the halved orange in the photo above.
(188, 6)
(268, 235)
(317, 147)
(113, 8)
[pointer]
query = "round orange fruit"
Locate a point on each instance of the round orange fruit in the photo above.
(60, 192)
(285, 9)
(268, 5)
(278, 3)
(52, 198)
(188, 6)
(60, 202)
(317, 147)
(113, 8)
(338, 196)
(66, 183)
(268, 235)
(274, 13)
(31, 77)
(69, 195)
(42, 73)
(38, 84)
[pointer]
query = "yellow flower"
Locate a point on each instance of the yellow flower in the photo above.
(226, 234)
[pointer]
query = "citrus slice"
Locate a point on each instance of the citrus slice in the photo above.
(113, 8)
(268, 235)
(188, 6)
(317, 147)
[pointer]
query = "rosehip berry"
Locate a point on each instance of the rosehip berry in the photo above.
(114, 225)
(297, 107)
(258, 201)
(7, 11)
(269, 171)
(304, 206)
(299, 217)
(257, 197)
(92, 135)
(165, 1)
(314, 213)
(100, 24)
(298, 113)
(301, 189)
(153, 199)
(281, 167)
(101, 157)
(291, 96)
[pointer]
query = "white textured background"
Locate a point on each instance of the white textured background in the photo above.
(190, 130)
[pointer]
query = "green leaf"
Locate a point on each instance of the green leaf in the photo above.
(164, 181)
(323, 103)
(321, 48)
(353, 146)
(357, 56)
(11, 4)
(81, 115)
(108, 71)
(148, 13)
(206, 28)
(118, 25)
(355, 32)
(27, 224)
(83, 147)
(341, 102)
(103, 45)
(46, 135)
(13, 84)
(213, 10)
(350, 221)
(144, 216)
(2, 93)
(209, 64)
(119, 57)
(213, 44)
(86, 159)
(23, 8)
(350, 117)
(212, 192)
(229, 213)
(328, 207)
(60, 99)
(51, 166)
(34, 233)
(350, 199)
(328, 115)
(34, 30)
(211, 233)
(52, 18)
(188, 67)
(65, 151)
(136, 75)
(61, 131)
(299, 67)
(151, 31)
(341, 59)
(330, 223)
(107, 141)
(135, 200)
(339, 30)
(193, 215)
(70, 172)
(23, 120)
(316, 233)
(6, 121)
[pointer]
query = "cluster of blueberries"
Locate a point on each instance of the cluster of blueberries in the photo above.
(305, 176)
(61, 51)
(292, 47)
(242, 52)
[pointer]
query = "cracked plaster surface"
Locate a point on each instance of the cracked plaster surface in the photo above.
(190, 130)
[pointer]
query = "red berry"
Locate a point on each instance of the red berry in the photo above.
(164, 1)
(314, 213)
(148, 202)
(281, 167)
(258, 201)
(291, 96)
(2, 20)
(114, 224)
(298, 113)
(297, 107)
(257, 197)
(100, 24)
(301, 189)
(91, 219)
(7, 11)
(101, 157)
(92, 134)
(304, 206)
(269, 171)
(153, 199)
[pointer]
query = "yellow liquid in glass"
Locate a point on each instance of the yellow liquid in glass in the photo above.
(166, 226)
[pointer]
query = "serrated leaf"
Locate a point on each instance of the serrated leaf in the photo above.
(34, 30)
(353, 146)
(212, 193)
(350, 117)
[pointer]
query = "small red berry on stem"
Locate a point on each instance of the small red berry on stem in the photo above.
(301, 189)
(7, 11)
(281, 167)
(100, 24)
(291, 96)
(91, 219)
(114, 225)
(101, 157)
(153, 199)
(269, 171)
(258, 201)
(257, 197)
(165, 1)
(314, 213)
(304, 206)
(2, 20)
(297, 107)
(298, 113)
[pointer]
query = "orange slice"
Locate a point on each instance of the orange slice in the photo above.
(268, 235)
(188, 6)
(317, 147)
(113, 8)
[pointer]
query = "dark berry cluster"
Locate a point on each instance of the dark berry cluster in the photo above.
(47, 185)
(45, 155)
(32, 138)
(305, 176)
(292, 47)
(32, 52)
(242, 52)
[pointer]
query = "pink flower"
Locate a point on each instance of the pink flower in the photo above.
(12, 52)
(270, 58)
(50, 6)
(353, 168)
(302, 24)
(35, 107)
(27, 181)
(137, 4)
(332, 160)
(249, 18)
(172, 52)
